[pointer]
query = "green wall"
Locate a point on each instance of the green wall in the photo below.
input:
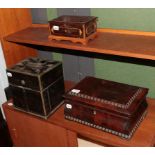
(131, 19)
(51, 13)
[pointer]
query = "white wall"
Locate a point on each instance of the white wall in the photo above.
(3, 77)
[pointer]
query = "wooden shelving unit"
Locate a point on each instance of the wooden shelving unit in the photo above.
(114, 42)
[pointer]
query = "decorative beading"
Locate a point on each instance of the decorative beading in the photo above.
(96, 99)
(122, 135)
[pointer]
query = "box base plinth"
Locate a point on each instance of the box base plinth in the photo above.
(72, 39)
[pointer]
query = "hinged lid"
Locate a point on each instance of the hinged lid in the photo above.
(109, 95)
(34, 66)
(73, 19)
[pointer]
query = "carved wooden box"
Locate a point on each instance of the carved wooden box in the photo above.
(37, 86)
(106, 105)
(73, 28)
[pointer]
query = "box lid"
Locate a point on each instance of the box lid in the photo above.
(74, 19)
(110, 95)
(34, 66)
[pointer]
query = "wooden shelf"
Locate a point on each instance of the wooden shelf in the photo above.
(144, 135)
(114, 42)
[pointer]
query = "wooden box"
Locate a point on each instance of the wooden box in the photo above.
(73, 28)
(37, 86)
(106, 105)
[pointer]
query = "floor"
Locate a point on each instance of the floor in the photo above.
(85, 143)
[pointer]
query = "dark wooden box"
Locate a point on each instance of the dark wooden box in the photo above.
(106, 105)
(73, 28)
(37, 86)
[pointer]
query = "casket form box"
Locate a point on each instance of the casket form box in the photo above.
(113, 107)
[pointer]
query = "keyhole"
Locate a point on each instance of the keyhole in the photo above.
(94, 112)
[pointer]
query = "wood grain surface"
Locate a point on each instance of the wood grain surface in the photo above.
(114, 42)
(12, 20)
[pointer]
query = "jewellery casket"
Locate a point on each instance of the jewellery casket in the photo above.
(37, 86)
(113, 107)
(73, 28)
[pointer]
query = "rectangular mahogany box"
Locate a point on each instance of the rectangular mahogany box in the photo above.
(73, 28)
(37, 86)
(106, 105)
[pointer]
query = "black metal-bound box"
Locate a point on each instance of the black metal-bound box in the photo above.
(37, 86)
